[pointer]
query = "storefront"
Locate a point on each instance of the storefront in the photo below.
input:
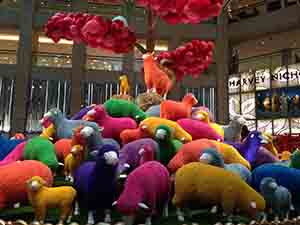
(266, 90)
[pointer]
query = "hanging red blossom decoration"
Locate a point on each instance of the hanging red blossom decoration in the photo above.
(183, 11)
(192, 58)
(95, 31)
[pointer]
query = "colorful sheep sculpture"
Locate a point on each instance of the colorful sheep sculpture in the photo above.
(124, 108)
(146, 188)
(112, 127)
(95, 183)
(278, 198)
(63, 126)
(210, 185)
(130, 154)
(232, 131)
(173, 110)
(43, 198)
(13, 188)
(8, 145)
(41, 149)
(73, 161)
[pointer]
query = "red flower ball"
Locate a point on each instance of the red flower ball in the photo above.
(192, 58)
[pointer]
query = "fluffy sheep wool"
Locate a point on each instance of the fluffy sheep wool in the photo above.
(215, 186)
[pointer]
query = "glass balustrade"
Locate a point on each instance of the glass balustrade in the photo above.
(6, 100)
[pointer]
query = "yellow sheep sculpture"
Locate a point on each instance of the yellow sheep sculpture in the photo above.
(73, 161)
(215, 186)
(124, 85)
(42, 198)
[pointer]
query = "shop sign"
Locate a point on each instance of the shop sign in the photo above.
(280, 75)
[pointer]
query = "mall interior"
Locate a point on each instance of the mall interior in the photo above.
(253, 38)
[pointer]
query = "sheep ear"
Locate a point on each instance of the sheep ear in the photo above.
(114, 203)
(143, 206)
(253, 204)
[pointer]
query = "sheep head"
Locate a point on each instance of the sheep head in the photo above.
(203, 116)
(190, 99)
(35, 183)
(77, 150)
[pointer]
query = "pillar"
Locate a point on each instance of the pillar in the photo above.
(129, 58)
(27, 42)
(78, 63)
(222, 69)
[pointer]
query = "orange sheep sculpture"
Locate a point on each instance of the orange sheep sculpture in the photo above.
(173, 110)
(156, 79)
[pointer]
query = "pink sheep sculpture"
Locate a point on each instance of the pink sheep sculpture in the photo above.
(199, 129)
(173, 110)
(112, 126)
(13, 187)
(147, 188)
(14, 155)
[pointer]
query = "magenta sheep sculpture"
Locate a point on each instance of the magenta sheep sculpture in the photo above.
(112, 127)
(14, 155)
(199, 129)
(13, 187)
(148, 188)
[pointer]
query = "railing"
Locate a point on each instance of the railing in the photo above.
(8, 57)
(6, 100)
(52, 60)
(46, 94)
(205, 96)
(104, 63)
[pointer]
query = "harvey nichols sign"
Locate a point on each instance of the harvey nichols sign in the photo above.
(261, 77)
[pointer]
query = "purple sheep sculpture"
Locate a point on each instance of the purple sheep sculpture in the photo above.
(82, 112)
(130, 154)
(147, 188)
(96, 185)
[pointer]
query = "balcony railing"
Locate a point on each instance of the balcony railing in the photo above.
(52, 60)
(104, 63)
(8, 57)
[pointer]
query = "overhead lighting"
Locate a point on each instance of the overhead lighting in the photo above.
(45, 40)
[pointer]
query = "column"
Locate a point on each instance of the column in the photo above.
(24, 65)
(177, 91)
(222, 69)
(78, 64)
(129, 58)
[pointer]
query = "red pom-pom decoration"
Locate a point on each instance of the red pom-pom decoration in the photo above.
(183, 11)
(95, 31)
(192, 58)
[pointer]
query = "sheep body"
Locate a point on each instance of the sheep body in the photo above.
(42, 198)
(95, 181)
(129, 154)
(210, 185)
(15, 155)
(173, 110)
(148, 184)
(124, 108)
(150, 125)
(199, 129)
(14, 177)
(190, 152)
(112, 127)
(278, 198)
(213, 157)
(232, 131)
(7, 145)
(62, 148)
(63, 126)
(284, 176)
(130, 135)
(41, 149)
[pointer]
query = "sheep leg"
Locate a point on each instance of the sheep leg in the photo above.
(71, 178)
(128, 220)
(107, 218)
(40, 214)
(277, 219)
(91, 219)
(148, 221)
(214, 209)
(180, 215)
(287, 216)
(165, 96)
(264, 218)
(166, 210)
(76, 211)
